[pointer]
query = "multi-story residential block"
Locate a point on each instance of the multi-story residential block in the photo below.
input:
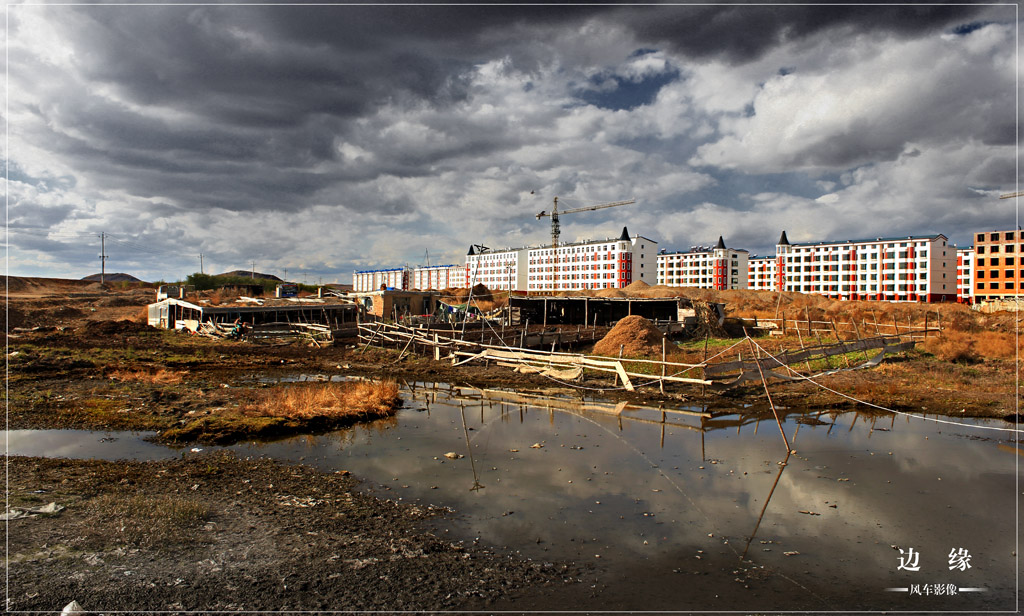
(704, 267)
(912, 268)
(762, 273)
(604, 264)
(372, 280)
(998, 271)
(965, 275)
(496, 269)
(437, 277)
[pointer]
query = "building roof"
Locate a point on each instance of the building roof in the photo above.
(874, 240)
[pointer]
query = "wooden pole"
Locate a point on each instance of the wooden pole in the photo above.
(807, 315)
(836, 332)
(766, 392)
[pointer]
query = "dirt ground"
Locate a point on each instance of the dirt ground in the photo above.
(255, 535)
(214, 532)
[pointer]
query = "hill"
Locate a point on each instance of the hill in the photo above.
(249, 274)
(112, 278)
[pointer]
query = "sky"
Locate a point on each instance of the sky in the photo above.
(311, 141)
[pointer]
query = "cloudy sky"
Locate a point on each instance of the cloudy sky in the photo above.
(315, 140)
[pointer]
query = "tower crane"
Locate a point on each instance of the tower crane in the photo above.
(1012, 195)
(555, 227)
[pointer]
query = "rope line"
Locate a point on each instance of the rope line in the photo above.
(878, 406)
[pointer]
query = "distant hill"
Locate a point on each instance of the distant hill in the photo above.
(249, 274)
(112, 278)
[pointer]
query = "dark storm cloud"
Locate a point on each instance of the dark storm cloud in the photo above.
(744, 33)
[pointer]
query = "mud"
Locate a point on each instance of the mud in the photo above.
(215, 532)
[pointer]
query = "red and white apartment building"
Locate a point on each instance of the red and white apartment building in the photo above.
(704, 267)
(912, 268)
(604, 264)
(965, 275)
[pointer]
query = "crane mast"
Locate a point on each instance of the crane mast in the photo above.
(556, 226)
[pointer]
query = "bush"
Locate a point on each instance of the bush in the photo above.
(952, 346)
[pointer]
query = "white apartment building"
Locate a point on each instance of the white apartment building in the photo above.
(603, 264)
(372, 280)
(437, 277)
(496, 269)
(965, 275)
(704, 267)
(912, 268)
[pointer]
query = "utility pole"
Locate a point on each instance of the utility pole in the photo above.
(103, 257)
(286, 275)
(200, 263)
(253, 276)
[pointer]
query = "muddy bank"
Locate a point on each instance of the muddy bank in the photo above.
(215, 532)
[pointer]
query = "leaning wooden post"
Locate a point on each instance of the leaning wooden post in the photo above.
(896, 325)
(860, 341)
(839, 340)
(766, 392)
(807, 315)
(926, 325)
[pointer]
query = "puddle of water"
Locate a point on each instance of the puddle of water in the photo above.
(652, 496)
(86, 444)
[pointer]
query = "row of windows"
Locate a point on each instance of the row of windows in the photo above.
(994, 261)
(1007, 236)
(995, 248)
(995, 285)
(995, 273)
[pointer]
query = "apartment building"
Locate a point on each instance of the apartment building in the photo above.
(704, 267)
(496, 269)
(602, 264)
(965, 275)
(437, 277)
(912, 268)
(605, 264)
(762, 273)
(372, 280)
(998, 271)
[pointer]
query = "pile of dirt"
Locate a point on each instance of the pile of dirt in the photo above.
(610, 293)
(635, 335)
(636, 287)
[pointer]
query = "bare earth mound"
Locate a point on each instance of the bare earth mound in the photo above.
(636, 286)
(636, 335)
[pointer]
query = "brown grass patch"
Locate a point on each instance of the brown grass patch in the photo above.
(145, 520)
(348, 400)
(952, 346)
(159, 376)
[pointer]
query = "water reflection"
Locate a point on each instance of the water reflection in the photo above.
(663, 490)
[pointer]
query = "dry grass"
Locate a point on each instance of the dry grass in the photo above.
(146, 520)
(159, 376)
(348, 400)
